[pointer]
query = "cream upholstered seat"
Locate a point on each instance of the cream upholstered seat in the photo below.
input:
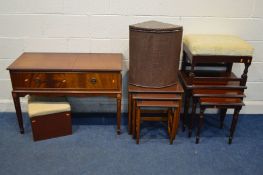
(38, 105)
(227, 45)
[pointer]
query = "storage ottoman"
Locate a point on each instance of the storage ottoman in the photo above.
(50, 117)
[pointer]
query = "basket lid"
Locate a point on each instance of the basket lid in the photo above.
(155, 26)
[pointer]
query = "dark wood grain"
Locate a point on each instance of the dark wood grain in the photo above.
(165, 104)
(98, 62)
(221, 103)
(197, 59)
(204, 101)
(173, 106)
(66, 80)
(151, 96)
(50, 126)
(68, 62)
(220, 81)
(222, 93)
(174, 92)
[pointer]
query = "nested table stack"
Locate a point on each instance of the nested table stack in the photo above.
(141, 99)
(207, 76)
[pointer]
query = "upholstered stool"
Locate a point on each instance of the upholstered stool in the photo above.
(217, 50)
(226, 49)
(173, 116)
(50, 117)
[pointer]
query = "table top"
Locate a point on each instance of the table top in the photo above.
(156, 96)
(210, 80)
(158, 103)
(68, 62)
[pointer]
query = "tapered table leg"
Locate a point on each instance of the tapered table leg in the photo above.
(134, 118)
(119, 114)
(178, 118)
(19, 116)
(138, 124)
(169, 123)
(130, 114)
(176, 115)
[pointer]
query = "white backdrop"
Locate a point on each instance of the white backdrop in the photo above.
(102, 26)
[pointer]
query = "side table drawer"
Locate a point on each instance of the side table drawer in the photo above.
(81, 81)
(99, 81)
(25, 80)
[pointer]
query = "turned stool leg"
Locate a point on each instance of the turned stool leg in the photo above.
(138, 124)
(233, 125)
(244, 75)
(192, 117)
(201, 120)
(222, 117)
(186, 108)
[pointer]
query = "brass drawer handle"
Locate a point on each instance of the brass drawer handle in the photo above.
(26, 80)
(93, 80)
(64, 81)
(38, 81)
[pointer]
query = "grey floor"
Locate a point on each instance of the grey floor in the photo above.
(94, 148)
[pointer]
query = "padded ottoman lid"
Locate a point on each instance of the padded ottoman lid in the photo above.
(38, 105)
(227, 45)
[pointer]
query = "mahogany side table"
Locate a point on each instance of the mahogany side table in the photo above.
(67, 74)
